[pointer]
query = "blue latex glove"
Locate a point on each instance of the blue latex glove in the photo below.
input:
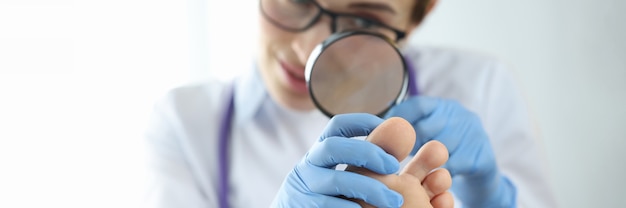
(315, 183)
(477, 182)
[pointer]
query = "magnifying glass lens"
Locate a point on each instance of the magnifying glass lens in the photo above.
(361, 73)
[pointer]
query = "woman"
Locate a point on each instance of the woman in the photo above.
(255, 150)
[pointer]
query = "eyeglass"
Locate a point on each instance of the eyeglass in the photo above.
(300, 15)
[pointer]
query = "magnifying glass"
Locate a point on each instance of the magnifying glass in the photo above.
(356, 72)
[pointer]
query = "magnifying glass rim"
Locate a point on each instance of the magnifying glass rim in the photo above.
(317, 51)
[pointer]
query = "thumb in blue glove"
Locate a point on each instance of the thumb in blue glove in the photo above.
(477, 182)
(315, 183)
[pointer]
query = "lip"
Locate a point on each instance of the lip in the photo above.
(294, 76)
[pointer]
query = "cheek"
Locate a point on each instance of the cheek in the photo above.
(274, 41)
(273, 46)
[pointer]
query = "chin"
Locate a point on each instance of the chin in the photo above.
(293, 99)
(279, 89)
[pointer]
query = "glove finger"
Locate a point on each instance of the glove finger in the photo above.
(469, 156)
(332, 201)
(444, 120)
(450, 117)
(315, 200)
(424, 113)
(460, 131)
(351, 125)
(354, 152)
(414, 108)
(352, 185)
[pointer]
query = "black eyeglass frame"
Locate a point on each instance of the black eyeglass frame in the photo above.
(333, 26)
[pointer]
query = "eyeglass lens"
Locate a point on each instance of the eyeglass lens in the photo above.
(297, 15)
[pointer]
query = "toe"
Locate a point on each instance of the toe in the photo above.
(443, 200)
(395, 135)
(437, 182)
(430, 156)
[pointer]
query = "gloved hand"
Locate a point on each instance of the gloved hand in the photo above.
(477, 182)
(315, 183)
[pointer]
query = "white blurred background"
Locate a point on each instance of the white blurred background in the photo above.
(78, 79)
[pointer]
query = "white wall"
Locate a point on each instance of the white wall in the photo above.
(570, 57)
(77, 82)
(233, 31)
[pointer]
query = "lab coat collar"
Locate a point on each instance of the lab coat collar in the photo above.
(249, 95)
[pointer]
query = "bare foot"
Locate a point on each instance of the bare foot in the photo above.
(421, 183)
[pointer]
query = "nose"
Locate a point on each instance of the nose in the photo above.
(304, 43)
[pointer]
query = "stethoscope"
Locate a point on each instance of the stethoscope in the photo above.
(225, 133)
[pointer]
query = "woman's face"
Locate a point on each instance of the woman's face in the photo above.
(284, 53)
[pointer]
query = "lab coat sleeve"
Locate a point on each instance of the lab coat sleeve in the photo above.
(516, 140)
(170, 181)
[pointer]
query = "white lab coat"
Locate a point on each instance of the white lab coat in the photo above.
(268, 140)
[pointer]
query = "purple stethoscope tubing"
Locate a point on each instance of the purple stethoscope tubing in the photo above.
(223, 158)
(225, 131)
